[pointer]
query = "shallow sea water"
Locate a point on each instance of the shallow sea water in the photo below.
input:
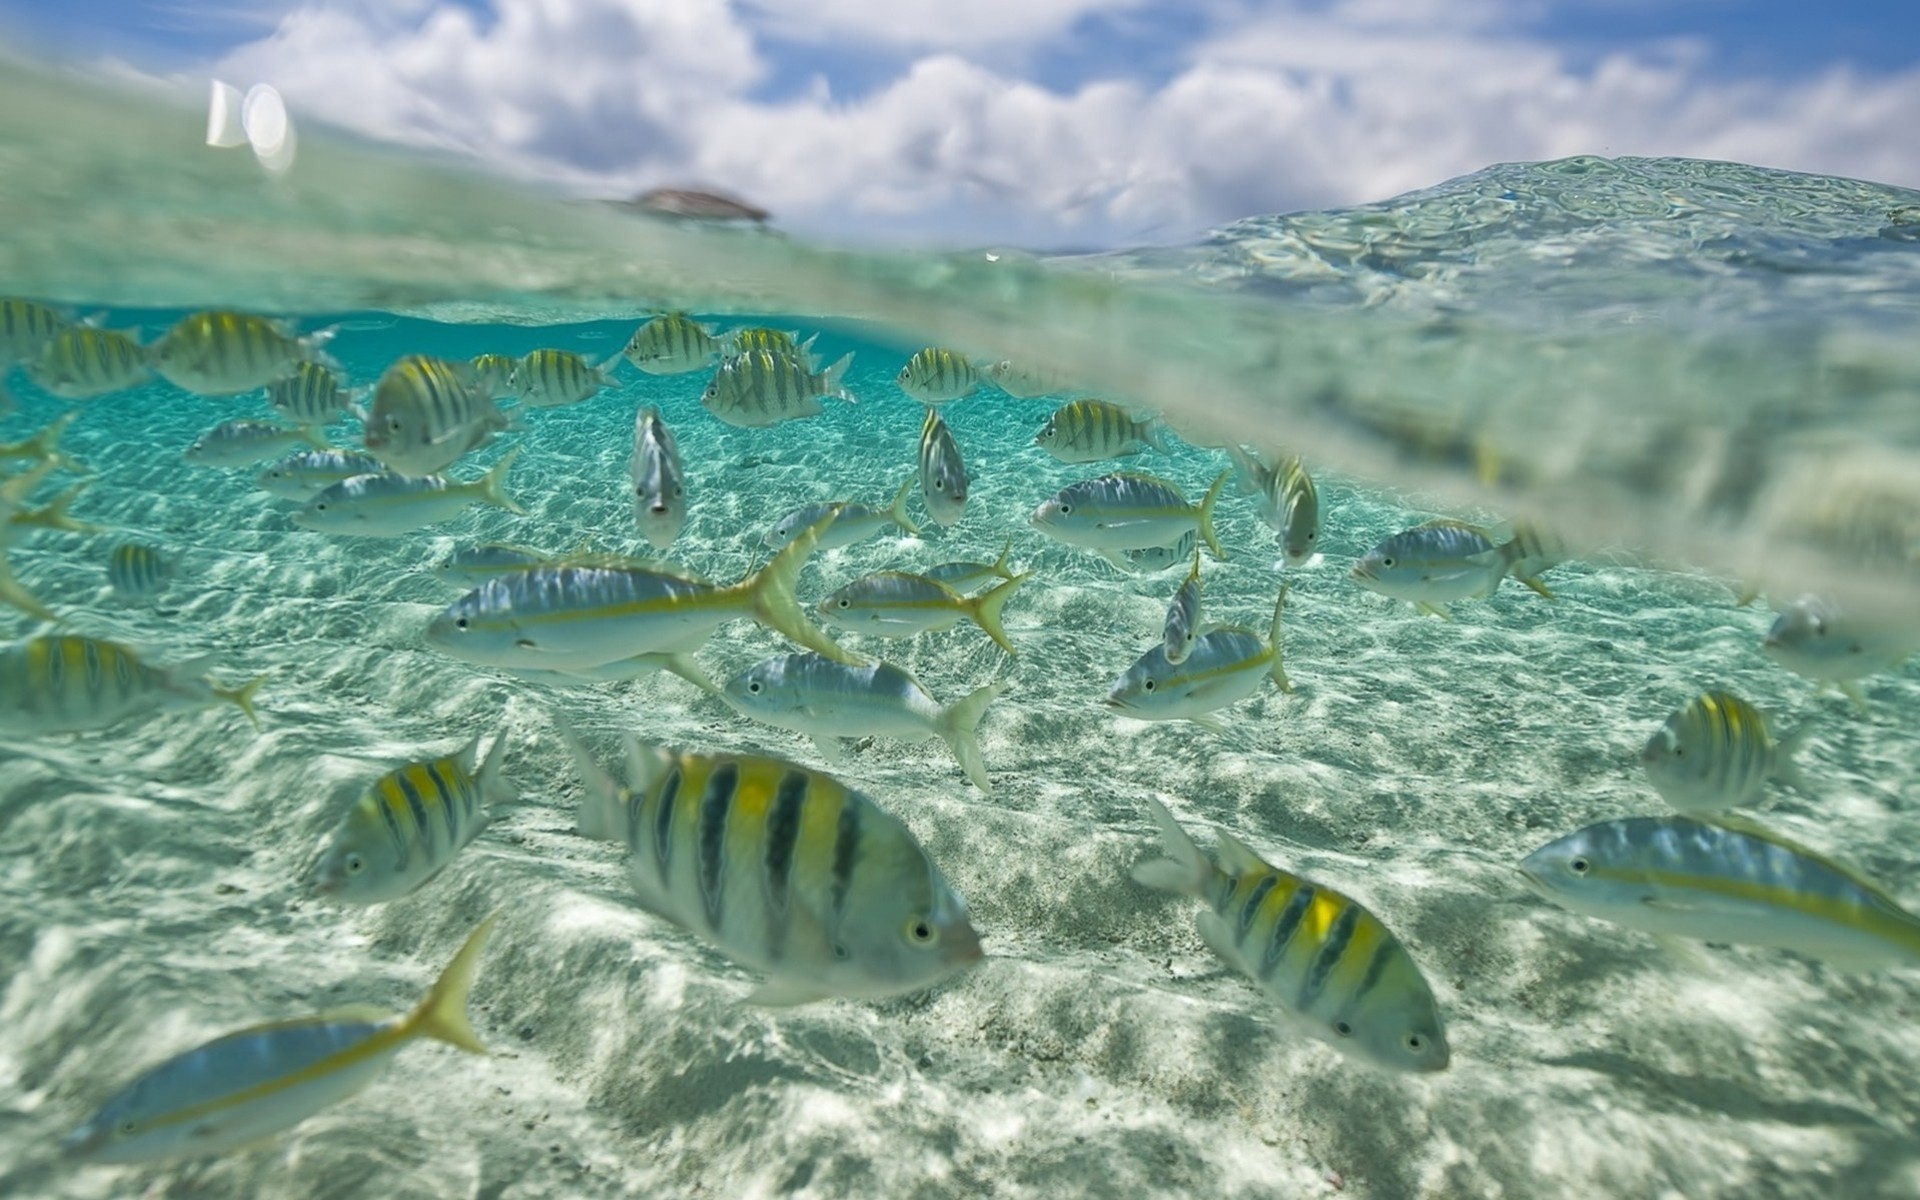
(150, 876)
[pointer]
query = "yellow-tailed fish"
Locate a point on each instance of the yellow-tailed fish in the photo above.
(552, 378)
(827, 701)
(759, 338)
(1432, 565)
(54, 514)
(84, 362)
(225, 353)
(312, 395)
(492, 374)
(1715, 752)
(26, 327)
(943, 476)
(1124, 511)
(902, 604)
(1339, 973)
(44, 446)
(410, 824)
(1182, 626)
(1085, 431)
(786, 871)
(70, 684)
(936, 376)
(846, 522)
(966, 576)
(137, 571)
(566, 618)
(244, 443)
(1724, 881)
(426, 414)
(659, 481)
(306, 474)
(390, 504)
(1225, 665)
(752, 391)
(1833, 646)
(1289, 502)
(471, 566)
(246, 1086)
(1151, 560)
(672, 344)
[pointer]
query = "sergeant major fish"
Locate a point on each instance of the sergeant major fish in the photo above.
(410, 824)
(426, 414)
(137, 571)
(389, 504)
(659, 481)
(900, 604)
(553, 378)
(1715, 752)
(26, 326)
(851, 521)
(672, 344)
(226, 353)
(755, 390)
(943, 476)
(1150, 560)
(935, 376)
(83, 363)
(1085, 431)
(312, 395)
(71, 684)
(757, 338)
(1125, 511)
(244, 443)
(1289, 502)
(492, 374)
(1226, 665)
(1432, 565)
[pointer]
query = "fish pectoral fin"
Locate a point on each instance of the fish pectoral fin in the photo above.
(1209, 722)
(830, 748)
(784, 993)
(1434, 610)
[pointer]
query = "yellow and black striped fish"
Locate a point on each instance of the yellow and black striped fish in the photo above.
(220, 353)
(551, 378)
(83, 362)
(753, 391)
(935, 376)
(756, 339)
(137, 570)
(1716, 752)
(26, 326)
(785, 870)
(67, 684)
(426, 413)
(1340, 973)
(312, 395)
(1092, 430)
(672, 344)
(492, 373)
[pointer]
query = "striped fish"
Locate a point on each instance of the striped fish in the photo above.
(1341, 975)
(409, 825)
(492, 374)
(137, 571)
(786, 871)
(426, 414)
(1831, 645)
(936, 376)
(71, 684)
(26, 327)
(847, 521)
(659, 481)
(965, 576)
(672, 344)
(1085, 431)
(753, 391)
(756, 339)
(389, 504)
(1289, 502)
(1724, 881)
(244, 443)
(1432, 565)
(83, 362)
(552, 378)
(305, 475)
(1182, 626)
(1226, 665)
(1715, 753)
(312, 395)
(225, 353)
(943, 476)
(249, 1085)
(902, 604)
(1124, 511)
(43, 446)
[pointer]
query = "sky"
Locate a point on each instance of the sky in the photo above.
(1045, 123)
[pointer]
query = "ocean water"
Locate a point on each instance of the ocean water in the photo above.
(1701, 374)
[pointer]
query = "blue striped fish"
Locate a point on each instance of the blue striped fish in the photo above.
(1432, 565)
(252, 1084)
(901, 604)
(409, 825)
(1182, 627)
(786, 871)
(389, 504)
(244, 443)
(935, 376)
(846, 521)
(1342, 976)
(1724, 881)
(966, 576)
(1714, 752)
(1833, 645)
(137, 571)
(1225, 665)
(943, 474)
(226, 353)
(426, 413)
(659, 481)
(83, 362)
(69, 684)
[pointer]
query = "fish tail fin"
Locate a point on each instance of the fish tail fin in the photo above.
(443, 1014)
(1184, 870)
(806, 349)
(1276, 668)
(1206, 514)
(1785, 769)
(1246, 466)
(56, 516)
(686, 668)
(604, 800)
(830, 379)
(958, 726)
(242, 697)
(985, 610)
(1153, 431)
(770, 592)
(495, 787)
(15, 593)
(1000, 565)
(493, 487)
(897, 511)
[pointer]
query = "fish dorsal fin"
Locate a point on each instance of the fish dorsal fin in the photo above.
(1236, 859)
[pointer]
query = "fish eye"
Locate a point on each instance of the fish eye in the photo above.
(921, 932)
(355, 864)
(319, 508)
(128, 1127)
(1312, 536)
(393, 423)
(1415, 1042)
(1149, 685)
(1343, 1028)
(1065, 509)
(1579, 866)
(459, 622)
(845, 603)
(1386, 562)
(754, 687)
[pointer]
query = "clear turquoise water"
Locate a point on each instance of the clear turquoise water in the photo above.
(1676, 362)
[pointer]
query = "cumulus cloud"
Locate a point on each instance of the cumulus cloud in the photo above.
(923, 24)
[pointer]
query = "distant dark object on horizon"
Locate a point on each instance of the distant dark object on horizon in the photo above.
(694, 204)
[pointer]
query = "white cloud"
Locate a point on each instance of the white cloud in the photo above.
(928, 24)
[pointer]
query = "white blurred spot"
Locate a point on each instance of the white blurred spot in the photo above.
(264, 115)
(223, 117)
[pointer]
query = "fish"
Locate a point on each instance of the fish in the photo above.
(410, 824)
(621, 670)
(64, 683)
(14, 491)
(1433, 565)
(943, 476)
(1832, 646)
(492, 374)
(312, 395)
(936, 376)
(137, 571)
(1725, 880)
(1715, 753)
(787, 871)
(552, 378)
(1124, 511)
(16, 515)
(471, 566)
(84, 363)
(1226, 665)
(758, 338)
(307, 473)
(672, 344)
(1084, 431)
(244, 443)
(389, 504)
(1150, 560)
(966, 576)
(827, 700)
(901, 604)
(659, 481)
(26, 327)
(1027, 382)
(246, 1086)
(426, 414)
(220, 353)
(1289, 503)
(851, 521)
(1182, 626)
(43, 446)
(753, 391)
(567, 618)
(1337, 971)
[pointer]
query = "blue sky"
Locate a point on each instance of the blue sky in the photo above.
(1047, 122)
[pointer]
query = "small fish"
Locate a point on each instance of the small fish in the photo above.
(966, 576)
(786, 871)
(1831, 645)
(70, 684)
(244, 443)
(389, 504)
(312, 395)
(1124, 511)
(659, 482)
(1715, 753)
(1151, 560)
(306, 474)
(472, 566)
(1226, 665)
(827, 700)
(43, 446)
(1289, 502)
(640, 665)
(137, 571)
(943, 476)
(1341, 974)
(409, 825)
(1724, 881)
(936, 376)
(426, 414)
(225, 353)
(1027, 382)
(752, 391)
(758, 338)
(1432, 565)
(1535, 549)
(26, 327)
(552, 378)
(249, 1085)
(492, 374)
(852, 522)
(672, 344)
(1085, 431)
(899, 604)
(82, 363)
(1183, 618)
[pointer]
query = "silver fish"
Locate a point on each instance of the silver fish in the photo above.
(1125, 511)
(306, 474)
(1182, 626)
(244, 443)
(391, 504)
(943, 476)
(852, 521)
(963, 577)
(659, 482)
(900, 604)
